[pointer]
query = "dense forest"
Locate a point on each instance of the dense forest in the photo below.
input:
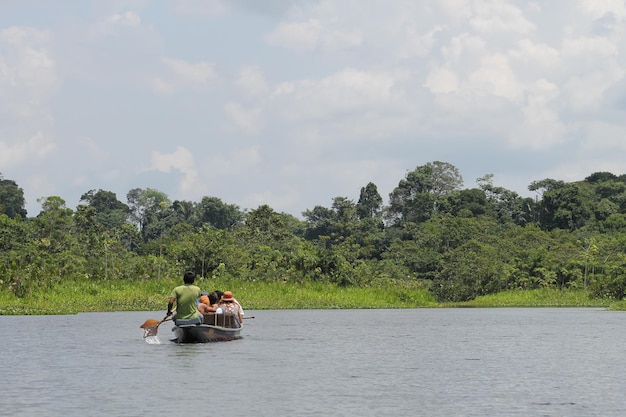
(459, 243)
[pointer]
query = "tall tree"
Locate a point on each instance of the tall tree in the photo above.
(446, 178)
(600, 177)
(212, 211)
(370, 202)
(416, 196)
(55, 224)
(110, 212)
(464, 203)
(565, 206)
(11, 198)
(507, 205)
(147, 208)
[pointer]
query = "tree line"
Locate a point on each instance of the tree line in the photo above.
(459, 243)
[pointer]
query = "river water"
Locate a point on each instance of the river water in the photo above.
(424, 362)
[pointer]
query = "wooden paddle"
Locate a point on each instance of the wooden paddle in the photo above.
(151, 326)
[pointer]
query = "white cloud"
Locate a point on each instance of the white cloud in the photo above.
(251, 82)
(496, 77)
(535, 58)
(493, 17)
(346, 91)
(28, 74)
(202, 8)
(591, 65)
(442, 81)
(30, 150)
(181, 160)
(541, 127)
(130, 19)
(346, 106)
(181, 74)
(116, 24)
(312, 34)
(579, 47)
(464, 50)
(596, 9)
(199, 73)
(416, 43)
(231, 164)
(544, 83)
(457, 10)
(247, 120)
(584, 92)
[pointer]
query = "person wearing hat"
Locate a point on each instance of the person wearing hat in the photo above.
(185, 297)
(228, 304)
(219, 297)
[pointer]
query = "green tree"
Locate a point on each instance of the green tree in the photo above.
(416, 197)
(150, 210)
(320, 221)
(471, 270)
(613, 285)
(567, 207)
(370, 202)
(275, 252)
(12, 201)
(505, 204)
(55, 224)
(110, 212)
(268, 226)
(185, 212)
(446, 178)
(18, 252)
(471, 202)
(212, 211)
(56, 244)
(600, 177)
(332, 226)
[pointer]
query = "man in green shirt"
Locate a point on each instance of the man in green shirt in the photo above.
(185, 296)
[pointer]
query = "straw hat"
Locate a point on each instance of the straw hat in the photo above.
(228, 296)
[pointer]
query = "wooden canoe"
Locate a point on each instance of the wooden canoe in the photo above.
(215, 328)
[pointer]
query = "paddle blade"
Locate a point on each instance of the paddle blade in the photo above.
(150, 327)
(149, 323)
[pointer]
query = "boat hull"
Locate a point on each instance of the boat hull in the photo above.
(204, 333)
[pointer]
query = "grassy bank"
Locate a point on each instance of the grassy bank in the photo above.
(536, 298)
(152, 295)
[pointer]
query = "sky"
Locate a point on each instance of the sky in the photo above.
(294, 103)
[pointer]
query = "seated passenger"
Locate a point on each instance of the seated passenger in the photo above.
(219, 297)
(207, 303)
(228, 305)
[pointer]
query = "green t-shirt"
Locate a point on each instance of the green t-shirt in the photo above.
(186, 296)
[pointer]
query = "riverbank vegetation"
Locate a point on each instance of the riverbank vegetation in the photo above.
(151, 295)
(435, 244)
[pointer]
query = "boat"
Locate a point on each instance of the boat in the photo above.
(214, 328)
